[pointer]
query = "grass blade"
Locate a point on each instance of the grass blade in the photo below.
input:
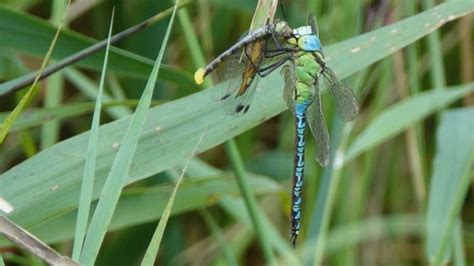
(121, 166)
(437, 69)
(152, 250)
(450, 180)
(89, 88)
(87, 186)
(54, 89)
(402, 115)
(26, 99)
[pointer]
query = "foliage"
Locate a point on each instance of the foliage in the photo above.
(395, 192)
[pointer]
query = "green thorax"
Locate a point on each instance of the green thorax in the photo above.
(306, 69)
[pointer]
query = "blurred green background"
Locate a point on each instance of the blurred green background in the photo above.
(379, 203)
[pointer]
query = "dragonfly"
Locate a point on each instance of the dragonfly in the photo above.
(307, 68)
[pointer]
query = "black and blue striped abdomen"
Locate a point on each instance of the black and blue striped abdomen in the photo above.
(298, 171)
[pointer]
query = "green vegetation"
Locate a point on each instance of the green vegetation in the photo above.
(395, 191)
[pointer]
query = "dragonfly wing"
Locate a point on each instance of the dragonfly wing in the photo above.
(347, 106)
(238, 76)
(237, 82)
(317, 125)
(313, 23)
(288, 73)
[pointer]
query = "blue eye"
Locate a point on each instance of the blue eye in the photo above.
(311, 43)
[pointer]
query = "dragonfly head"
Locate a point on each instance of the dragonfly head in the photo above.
(306, 40)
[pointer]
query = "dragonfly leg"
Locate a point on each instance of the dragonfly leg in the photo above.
(265, 71)
(277, 52)
(275, 39)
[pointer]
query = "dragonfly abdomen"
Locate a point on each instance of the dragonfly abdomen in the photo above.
(298, 171)
(305, 74)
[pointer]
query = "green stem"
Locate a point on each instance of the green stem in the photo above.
(438, 77)
(250, 202)
(216, 232)
(54, 91)
(458, 250)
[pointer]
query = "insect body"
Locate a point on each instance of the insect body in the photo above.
(302, 77)
(278, 44)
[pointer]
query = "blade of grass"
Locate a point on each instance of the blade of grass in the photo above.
(341, 214)
(401, 115)
(328, 189)
(28, 144)
(458, 245)
(5, 126)
(121, 166)
(414, 85)
(255, 213)
(199, 168)
(152, 250)
(437, 69)
(238, 209)
(54, 88)
(87, 185)
(371, 229)
(89, 88)
(226, 250)
(450, 180)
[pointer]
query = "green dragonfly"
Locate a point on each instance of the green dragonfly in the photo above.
(303, 75)
(301, 92)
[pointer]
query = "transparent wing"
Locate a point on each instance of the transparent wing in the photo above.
(288, 73)
(314, 24)
(317, 124)
(236, 77)
(347, 106)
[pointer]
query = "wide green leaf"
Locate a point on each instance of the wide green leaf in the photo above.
(450, 181)
(195, 193)
(52, 177)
